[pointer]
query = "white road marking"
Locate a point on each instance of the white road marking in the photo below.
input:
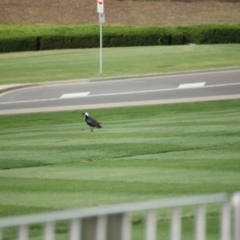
(75, 95)
(192, 85)
(124, 93)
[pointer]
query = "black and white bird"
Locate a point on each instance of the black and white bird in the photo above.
(91, 122)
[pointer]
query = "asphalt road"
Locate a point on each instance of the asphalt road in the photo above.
(157, 89)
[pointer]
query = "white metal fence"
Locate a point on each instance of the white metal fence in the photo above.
(114, 222)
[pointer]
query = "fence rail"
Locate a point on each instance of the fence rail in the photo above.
(114, 222)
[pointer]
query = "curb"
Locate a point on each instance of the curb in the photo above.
(12, 87)
(119, 105)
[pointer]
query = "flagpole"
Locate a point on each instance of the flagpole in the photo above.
(100, 10)
(100, 47)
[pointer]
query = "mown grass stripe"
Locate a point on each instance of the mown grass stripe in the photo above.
(53, 161)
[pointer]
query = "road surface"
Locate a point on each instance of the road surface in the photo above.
(156, 89)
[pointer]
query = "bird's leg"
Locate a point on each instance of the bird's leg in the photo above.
(91, 129)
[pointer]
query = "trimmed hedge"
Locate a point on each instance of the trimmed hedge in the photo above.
(44, 37)
(208, 34)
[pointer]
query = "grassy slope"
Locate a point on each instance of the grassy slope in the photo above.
(141, 153)
(31, 67)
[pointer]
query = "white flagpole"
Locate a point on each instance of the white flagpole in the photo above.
(100, 10)
(100, 47)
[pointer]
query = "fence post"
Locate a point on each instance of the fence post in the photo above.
(225, 221)
(75, 229)
(126, 227)
(49, 231)
(236, 215)
(101, 231)
(200, 222)
(23, 232)
(151, 225)
(176, 223)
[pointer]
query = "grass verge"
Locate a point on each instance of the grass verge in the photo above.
(32, 67)
(52, 161)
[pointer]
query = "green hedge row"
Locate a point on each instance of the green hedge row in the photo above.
(44, 37)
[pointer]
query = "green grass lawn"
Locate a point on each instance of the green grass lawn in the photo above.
(51, 161)
(42, 66)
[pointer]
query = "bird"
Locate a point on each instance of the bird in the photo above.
(91, 122)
